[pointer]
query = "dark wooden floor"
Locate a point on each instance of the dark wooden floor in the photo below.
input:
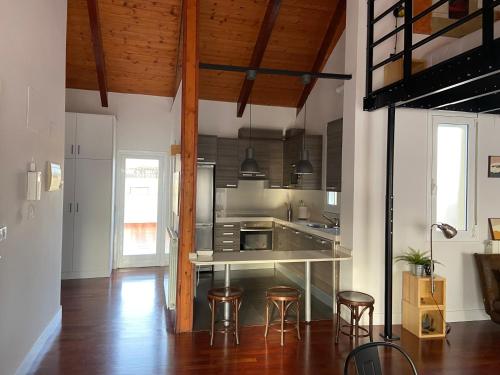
(117, 326)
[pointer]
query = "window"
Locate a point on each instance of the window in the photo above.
(453, 173)
(331, 197)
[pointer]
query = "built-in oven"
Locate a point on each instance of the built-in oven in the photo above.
(256, 235)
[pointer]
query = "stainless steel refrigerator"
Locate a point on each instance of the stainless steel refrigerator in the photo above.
(205, 194)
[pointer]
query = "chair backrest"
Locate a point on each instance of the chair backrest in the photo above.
(367, 359)
(488, 266)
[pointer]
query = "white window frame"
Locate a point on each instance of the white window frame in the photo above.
(471, 121)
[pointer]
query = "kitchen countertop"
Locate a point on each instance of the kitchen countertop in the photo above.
(248, 257)
(332, 234)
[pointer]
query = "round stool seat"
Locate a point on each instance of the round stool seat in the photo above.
(225, 294)
(283, 293)
(356, 298)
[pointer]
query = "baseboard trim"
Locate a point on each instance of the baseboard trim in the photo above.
(315, 291)
(30, 358)
(84, 275)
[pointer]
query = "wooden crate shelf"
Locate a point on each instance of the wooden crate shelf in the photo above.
(421, 308)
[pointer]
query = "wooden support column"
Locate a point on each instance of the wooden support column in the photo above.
(95, 28)
(189, 140)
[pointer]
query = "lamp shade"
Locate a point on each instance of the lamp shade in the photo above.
(249, 165)
(448, 231)
(304, 166)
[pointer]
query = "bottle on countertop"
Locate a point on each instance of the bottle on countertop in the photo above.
(289, 211)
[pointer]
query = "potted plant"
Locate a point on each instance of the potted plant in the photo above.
(419, 261)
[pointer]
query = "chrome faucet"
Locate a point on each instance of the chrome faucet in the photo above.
(335, 221)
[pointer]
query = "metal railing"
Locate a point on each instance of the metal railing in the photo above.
(486, 13)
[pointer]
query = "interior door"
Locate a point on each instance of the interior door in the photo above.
(94, 136)
(141, 210)
(92, 249)
(68, 215)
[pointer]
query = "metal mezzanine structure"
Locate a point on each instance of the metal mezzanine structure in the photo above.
(468, 82)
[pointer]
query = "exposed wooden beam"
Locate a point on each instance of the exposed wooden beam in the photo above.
(332, 35)
(266, 28)
(95, 28)
(189, 140)
(178, 65)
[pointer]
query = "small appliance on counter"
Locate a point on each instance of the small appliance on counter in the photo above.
(303, 211)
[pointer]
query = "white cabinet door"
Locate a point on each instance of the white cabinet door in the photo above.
(70, 136)
(94, 136)
(92, 251)
(68, 215)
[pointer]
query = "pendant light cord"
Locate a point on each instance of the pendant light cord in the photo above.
(305, 119)
(250, 139)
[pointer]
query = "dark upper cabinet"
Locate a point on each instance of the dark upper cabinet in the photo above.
(227, 167)
(334, 156)
(207, 148)
(291, 154)
(275, 155)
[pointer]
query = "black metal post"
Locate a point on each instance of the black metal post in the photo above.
(488, 22)
(408, 39)
(389, 211)
(369, 48)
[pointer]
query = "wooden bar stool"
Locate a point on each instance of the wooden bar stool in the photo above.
(231, 296)
(353, 301)
(282, 297)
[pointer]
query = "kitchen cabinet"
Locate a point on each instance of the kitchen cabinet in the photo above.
(207, 148)
(275, 167)
(290, 239)
(228, 167)
(334, 156)
(227, 236)
(88, 203)
(291, 154)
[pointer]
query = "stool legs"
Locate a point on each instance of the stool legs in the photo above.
(212, 322)
(338, 322)
(267, 319)
(370, 328)
(282, 316)
(236, 322)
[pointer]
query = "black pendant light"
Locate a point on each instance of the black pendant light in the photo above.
(250, 165)
(304, 166)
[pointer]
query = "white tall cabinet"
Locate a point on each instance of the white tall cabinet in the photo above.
(88, 196)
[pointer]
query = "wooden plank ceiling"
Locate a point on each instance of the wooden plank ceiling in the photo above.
(141, 38)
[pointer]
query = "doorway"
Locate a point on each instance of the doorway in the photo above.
(140, 226)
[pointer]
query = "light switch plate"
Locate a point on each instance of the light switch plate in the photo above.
(3, 234)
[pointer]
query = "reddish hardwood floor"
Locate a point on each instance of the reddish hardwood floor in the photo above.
(117, 326)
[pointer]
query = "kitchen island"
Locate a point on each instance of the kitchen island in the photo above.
(275, 257)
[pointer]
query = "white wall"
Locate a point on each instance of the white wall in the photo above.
(143, 122)
(33, 45)
(363, 186)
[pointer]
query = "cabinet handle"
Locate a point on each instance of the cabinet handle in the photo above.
(331, 187)
(70, 207)
(296, 232)
(228, 225)
(200, 159)
(227, 249)
(72, 149)
(77, 207)
(231, 185)
(228, 233)
(275, 186)
(284, 228)
(78, 149)
(260, 175)
(321, 242)
(227, 241)
(309, 237)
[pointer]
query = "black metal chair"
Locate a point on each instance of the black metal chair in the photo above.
(367, 359)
